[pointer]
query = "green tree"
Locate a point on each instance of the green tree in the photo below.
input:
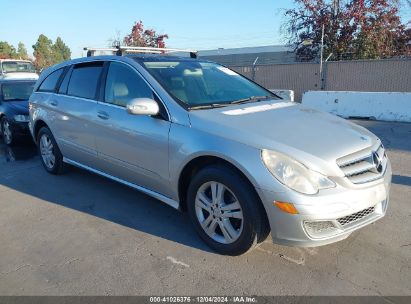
(354, 29)
(61, 51)
(43, 53)
(7, 50)
(22, 51)
(47, 53)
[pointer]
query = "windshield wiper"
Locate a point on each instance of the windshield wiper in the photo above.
(209, 106)
(224, 104)
(250, 99)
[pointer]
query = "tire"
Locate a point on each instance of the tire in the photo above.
(49, 152)
(7, 134)
(238, 219)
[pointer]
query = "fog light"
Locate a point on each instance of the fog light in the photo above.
(286, 207)
(320, 228)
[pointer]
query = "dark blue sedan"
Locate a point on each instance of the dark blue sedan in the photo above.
(14, 110)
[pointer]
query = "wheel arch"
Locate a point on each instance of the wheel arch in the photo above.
(199, 162)
(36, 128)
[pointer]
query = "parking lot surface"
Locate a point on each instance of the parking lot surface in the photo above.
(81, 234)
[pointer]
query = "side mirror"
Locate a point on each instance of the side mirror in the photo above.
(143, 106)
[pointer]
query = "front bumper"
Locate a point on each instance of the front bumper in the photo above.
(330, 216)
(20, 128)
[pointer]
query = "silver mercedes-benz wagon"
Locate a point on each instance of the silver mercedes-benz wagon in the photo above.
(201, 137)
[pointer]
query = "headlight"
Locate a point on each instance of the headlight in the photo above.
(294, 174)
(21, 118)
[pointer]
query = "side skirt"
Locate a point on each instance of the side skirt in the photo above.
(151, 193)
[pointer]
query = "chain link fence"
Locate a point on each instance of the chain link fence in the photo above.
(389, 75)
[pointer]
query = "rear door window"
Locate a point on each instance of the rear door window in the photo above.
(85, 79)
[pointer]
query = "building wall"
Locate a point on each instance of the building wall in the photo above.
(391, 75)
(249, 58)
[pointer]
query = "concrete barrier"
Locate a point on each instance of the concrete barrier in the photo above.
(387, 106)
(285, 94)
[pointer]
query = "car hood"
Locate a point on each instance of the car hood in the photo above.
(20, 75)
(313, 137)
(18, 107)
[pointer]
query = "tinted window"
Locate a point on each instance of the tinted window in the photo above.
(124, 84)
(65, 82)
(49, 84)
(84, 80)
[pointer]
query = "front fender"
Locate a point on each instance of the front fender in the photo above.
(187, 143)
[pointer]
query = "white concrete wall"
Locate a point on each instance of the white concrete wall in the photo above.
(285, 94)
(388, 106)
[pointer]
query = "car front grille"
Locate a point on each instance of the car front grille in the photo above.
(343, 221)
(365, 165)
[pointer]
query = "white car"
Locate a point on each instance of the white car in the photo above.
(17, 69)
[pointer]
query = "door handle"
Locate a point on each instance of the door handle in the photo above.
(103, 115)
(54, 103)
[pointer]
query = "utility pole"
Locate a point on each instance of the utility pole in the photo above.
(321, 56)
(254, 64)
(336, 10)
(336, 7)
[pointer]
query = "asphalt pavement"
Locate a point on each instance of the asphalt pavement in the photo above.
(81, 234)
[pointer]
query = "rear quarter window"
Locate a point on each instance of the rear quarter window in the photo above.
(49, 84)
(64, 84)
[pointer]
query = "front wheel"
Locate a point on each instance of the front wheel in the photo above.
(226, 211)
(51, 156)
(8, 136)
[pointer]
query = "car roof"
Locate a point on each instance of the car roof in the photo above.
(136, 57)
(139, 58)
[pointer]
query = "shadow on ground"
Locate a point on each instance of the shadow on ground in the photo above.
(401, 180)
(22, 151)
(100, 197)
(394, 135)
(89, 193)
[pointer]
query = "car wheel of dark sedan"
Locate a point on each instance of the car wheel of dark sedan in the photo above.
(226, 211)
(51, 156)
(8, 137)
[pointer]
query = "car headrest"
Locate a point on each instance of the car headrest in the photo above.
(120, 89)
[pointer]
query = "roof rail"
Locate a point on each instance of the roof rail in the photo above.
(122, 50)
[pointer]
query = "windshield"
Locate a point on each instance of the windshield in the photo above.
(18, 67)
(202, 83)
(16, 91)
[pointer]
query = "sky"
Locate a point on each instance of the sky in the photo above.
(200, 24)
(196, 24)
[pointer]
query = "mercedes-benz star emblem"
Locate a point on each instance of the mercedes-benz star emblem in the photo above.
(377, 162)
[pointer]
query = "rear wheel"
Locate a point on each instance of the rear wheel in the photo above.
(51, 156)
(226, 211)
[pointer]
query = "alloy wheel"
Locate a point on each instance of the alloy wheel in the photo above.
(7, 135)
(219, 212)
(47, 151)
